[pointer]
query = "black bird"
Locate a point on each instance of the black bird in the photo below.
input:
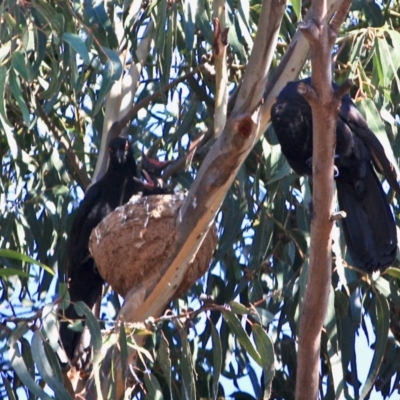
(116, 187)
(369, 228)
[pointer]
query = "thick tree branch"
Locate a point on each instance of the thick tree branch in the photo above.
(255, 78)
(291, 65)
(119, 100)
(324, 103)
(221, 72)
(214, 178)
(243, 128)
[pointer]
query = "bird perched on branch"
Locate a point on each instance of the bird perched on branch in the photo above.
(115, 188)
(369, 228)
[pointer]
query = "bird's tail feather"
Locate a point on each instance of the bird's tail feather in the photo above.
(369, 228)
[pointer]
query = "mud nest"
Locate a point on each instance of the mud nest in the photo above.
(132, 243)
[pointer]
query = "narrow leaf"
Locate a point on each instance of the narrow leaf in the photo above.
(189, 11)
(187, 368)
(76, 42)
(16, 90)
(18, 63)
(237, 329)
(93, 326)
(153, 387)
(123, 348)
(381, 333)
(217, 358)
(6, 272)
(164, 359)
(22, 257)
(19, 366)
(46, 371)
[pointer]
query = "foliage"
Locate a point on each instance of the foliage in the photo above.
(64, 58)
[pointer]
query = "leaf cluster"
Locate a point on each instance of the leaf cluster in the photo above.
(234, 333)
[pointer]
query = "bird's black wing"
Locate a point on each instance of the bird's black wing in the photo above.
(350, 118)
(369, 227)
(84, 210)
(84, 281)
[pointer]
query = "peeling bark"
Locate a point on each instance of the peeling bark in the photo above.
(246, 123)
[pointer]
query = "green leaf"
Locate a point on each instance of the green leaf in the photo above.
(380, 306)
(112, 72)
(153, 387)
(187, 368)
(16, 90)
(189, 11)
(265, 348)
(10, 20)
(93, 326)
(238, 308)
(371, 115)
(3, 83)
(5, 50)
(395, 55)
(203, 21)
(15, 255)
(97, 19)
(123, 347)
(217, 358)
(6, 272)
(392, 271)
(334, 353)
(11, 395)
(160, 19)
(47, 371)
(234, 34)
(52, 88)
(237, 330)
(296, 4)
(243, 23)
(166, 55)
(76, 42)
(261, 239)
(164, 358)
(19, 64)
(20, 368)
(384, 63)
(60, 190)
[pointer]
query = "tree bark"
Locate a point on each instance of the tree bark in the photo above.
(324, 103)
(246, 123)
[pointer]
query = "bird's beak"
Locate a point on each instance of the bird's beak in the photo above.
(120, 155)
(153, 167)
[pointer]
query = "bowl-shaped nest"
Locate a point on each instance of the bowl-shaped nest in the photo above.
(132, 243)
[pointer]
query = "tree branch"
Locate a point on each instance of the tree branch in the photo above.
(119, 100)
(214, 178)
(221, 73)
(324, 103)
(243, 128)
(291, 65)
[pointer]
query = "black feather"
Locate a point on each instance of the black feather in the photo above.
(369, 228)
(116, 187)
